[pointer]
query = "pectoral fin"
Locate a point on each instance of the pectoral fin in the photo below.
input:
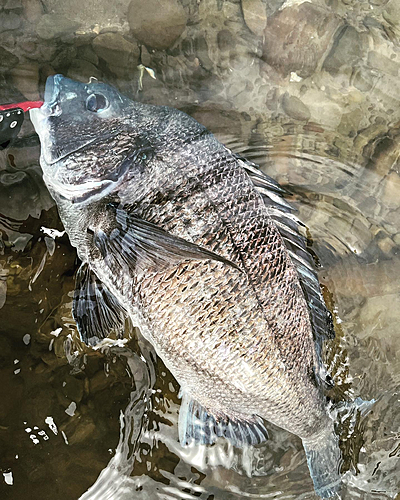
(199, 426)
(95, 309)
(140, 245)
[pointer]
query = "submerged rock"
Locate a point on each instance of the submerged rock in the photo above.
(347, 50)
(25, 77)
(291, 41)
(382, 63)
(255, 16)
(7, 59)
(295, 108)
(391, 190)
(157, 24)
(82, 70)
(120, 55)
(9, 21)
(33, 10)
(54, 26)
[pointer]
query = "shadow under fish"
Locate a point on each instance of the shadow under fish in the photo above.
(200, 250)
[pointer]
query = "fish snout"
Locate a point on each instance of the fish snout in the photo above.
(51, 106)
(59, 90)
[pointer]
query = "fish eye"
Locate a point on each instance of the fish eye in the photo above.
(96, 103)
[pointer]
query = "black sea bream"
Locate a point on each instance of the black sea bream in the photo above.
(200, 250)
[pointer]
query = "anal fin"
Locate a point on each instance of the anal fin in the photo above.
(95, 309)
(197, 425)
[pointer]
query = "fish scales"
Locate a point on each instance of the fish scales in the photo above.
(199, 249)
(169, 313)
(229, 196)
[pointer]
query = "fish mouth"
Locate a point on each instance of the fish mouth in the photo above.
(50, 107)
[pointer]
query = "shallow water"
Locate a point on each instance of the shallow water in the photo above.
(309, 91)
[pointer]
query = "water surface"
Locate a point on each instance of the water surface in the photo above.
(310, 91)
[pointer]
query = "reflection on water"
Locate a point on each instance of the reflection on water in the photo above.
(310, 91)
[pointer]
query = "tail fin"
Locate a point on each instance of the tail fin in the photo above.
(324, 461)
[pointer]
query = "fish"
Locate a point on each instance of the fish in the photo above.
(199, 249)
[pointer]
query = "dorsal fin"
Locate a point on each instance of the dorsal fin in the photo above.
(283, 214)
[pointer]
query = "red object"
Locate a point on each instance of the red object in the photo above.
(25, 106)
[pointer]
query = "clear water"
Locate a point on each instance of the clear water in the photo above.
(310, 90)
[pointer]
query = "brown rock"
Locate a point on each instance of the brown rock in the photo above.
(116, 51)
(25, 77)
(225, 40)
(82, 70)
(53, 26)
(347, 50)
(391, 190)
(295, 108)
(382, 63)
(156, 23)
(13, 4)
(297, 37)
(9, 21)
(7, 59)
(33, 10)
(255, 16)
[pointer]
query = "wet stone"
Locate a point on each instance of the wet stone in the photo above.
(73, 389)
(9, 21)
(255, 15)
(225, 40)
(29, 47)
(290, 42)
(157, 24)
(382, 63)
(391, 190)
(79, 431)
(33, 10)
(364, 79)
(201, 49)
(54, 26)
(87, 53)
(13, 4)
(25, 77)
(115, 50)
(90, 12)
(347, 50)
(392, 12)
(350, 122)
(294, 108)
(387, 245)
(324, 111)
(64, 57)
(22, 189)
(7, 59)
(82, 71)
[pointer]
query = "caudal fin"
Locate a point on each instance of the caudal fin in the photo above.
(324, 461)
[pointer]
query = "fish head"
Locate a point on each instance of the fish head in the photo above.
(83, 129)
(93, 138)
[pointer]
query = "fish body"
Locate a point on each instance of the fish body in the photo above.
(201, 251)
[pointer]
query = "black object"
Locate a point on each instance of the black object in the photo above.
(11, 121)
